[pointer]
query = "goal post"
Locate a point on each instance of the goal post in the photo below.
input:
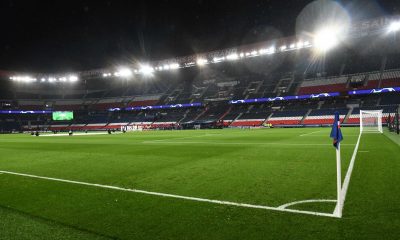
(371, 121)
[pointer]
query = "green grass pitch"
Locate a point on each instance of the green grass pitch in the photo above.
(267, 167)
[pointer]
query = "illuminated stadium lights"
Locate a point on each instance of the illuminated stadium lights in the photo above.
(232, 57)
(254, 53)
(326, 39)
(292, 45)
(263, 51)
(271, 50)
(218, 59)
(300, 44)
(283, 48)
(43, 80)
(23, 79)
(51, 79)
(62, 79)
(394, 27)
(241, 55)
(123, 72)
(72, 78)
(107, 74)
(146, 70)
(307, 44)
(202, 61)
(174, 66)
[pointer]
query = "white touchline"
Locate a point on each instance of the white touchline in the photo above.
(77, 134)
(168, 139)
(244, 143)
(309, 133)
(348, 176)
(246, 205)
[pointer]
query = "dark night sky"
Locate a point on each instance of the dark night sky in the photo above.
(48, 36)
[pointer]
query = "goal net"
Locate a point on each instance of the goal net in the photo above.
(371, 121)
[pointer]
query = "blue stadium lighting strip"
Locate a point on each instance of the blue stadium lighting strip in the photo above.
(185, 105)
(286, 98)
(374, 91)
(23, 112)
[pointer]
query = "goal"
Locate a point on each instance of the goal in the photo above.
(371, 121)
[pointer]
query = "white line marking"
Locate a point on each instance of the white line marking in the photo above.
(246, 205)
(76, 134)
(302, 135)
(305, 201)
(245, 143)
(348, 176)
(167, 139)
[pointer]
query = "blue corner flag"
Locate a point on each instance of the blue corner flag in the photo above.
(336, 133)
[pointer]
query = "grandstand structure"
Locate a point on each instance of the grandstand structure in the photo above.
(284, 86)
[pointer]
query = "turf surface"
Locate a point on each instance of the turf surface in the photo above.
(266, 167)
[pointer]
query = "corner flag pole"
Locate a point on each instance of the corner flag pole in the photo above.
(339, 181)
(336, 135)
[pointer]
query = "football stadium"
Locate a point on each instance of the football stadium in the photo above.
(287, 136)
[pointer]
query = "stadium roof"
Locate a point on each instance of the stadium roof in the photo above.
(269, 9)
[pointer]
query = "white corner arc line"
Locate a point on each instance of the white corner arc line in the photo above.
(284, 206)
(346, 181)
(246, 205)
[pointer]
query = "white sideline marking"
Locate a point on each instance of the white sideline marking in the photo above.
(246, 205)
(305, 201)
(167, 139)
(76, 134)
(309, 133)
(348, 176)
(244, 143)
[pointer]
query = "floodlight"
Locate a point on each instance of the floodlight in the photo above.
(174, 66)
(271, 50)
(218, 59)
(292, 45)
(232, 57)
(146, 69)
(326, 39)
(263, 51)
(73, 78)
(394, 27)
(300, 44)
(166, 67)
(202, 62)
(123, 72)
(283, 48)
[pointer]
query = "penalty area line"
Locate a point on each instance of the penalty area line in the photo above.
(167, 195)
